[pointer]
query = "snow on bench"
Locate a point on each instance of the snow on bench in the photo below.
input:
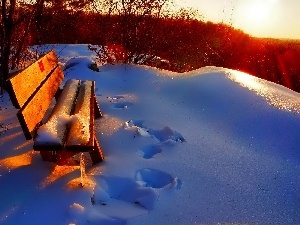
(53, 133)
(80, 128)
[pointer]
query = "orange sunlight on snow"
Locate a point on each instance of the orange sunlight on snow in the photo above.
(86, 182)
(17, 161)
(57, 173)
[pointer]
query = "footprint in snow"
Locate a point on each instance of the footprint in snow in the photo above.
(122, 105)
(118, 199)
(117, 191)
(157, 179)
(78, 214)
(115, 98)
(121, 102)
(164, 135)
(150, 151)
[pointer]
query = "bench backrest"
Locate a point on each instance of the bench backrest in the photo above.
(33, 89)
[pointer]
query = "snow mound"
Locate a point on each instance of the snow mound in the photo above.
(212, 146)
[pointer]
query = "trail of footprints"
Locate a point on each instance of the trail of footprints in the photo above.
(119, 199)
(119, 102)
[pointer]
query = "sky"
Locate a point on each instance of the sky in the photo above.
(259, 18)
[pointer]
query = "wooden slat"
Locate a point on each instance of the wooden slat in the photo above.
(23, 84)
(81, 133)
(32, 113)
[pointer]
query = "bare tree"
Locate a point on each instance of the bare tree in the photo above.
(6, 31)
(15, 20)
(136, 23)
(17, 17)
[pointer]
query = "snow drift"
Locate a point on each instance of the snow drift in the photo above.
(213, 146)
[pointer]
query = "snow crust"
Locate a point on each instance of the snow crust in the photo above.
(213, 146)
(275, 94)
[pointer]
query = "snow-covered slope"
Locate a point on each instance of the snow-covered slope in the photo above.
(213, 146)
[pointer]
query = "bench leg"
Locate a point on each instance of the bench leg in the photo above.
(97, 110)
(49, 156)
(96, 155)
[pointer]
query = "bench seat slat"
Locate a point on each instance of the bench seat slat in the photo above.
(53, 133)
(33, 111)
(81, 133)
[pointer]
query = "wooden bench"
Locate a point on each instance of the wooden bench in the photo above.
(70, 127)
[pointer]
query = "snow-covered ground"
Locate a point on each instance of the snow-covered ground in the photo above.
(213, 146)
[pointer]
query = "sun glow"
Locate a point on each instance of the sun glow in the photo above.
(258, 16)
(257, 13)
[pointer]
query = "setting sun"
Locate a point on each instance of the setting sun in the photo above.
(257, 17)
(257, 13)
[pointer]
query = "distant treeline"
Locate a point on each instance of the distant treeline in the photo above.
(185, 44)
